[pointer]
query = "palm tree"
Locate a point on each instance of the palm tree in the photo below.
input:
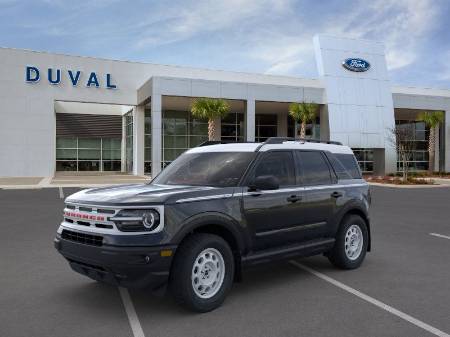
(304, 113)
(432, 120)
(210, 109)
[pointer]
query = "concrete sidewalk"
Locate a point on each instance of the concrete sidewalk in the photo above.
(70, 181)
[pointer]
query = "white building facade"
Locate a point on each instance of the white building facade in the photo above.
(75, 114)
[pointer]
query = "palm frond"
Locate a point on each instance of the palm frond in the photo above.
(431, 119)
(303, 112)
(209, 108)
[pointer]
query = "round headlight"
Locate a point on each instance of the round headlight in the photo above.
(150, 219)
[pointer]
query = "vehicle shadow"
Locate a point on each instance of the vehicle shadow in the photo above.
(267, 278)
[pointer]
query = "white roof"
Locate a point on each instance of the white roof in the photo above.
(251, 147)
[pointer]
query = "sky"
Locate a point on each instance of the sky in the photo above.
(258, 36)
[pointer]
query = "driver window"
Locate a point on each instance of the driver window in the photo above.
(278, 164)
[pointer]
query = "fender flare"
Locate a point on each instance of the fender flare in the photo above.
(216, 219)
(355, 207)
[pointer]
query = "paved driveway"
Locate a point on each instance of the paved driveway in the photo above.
(402, 289)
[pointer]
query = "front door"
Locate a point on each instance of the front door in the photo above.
(273, 216)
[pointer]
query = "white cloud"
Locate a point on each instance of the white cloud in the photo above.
(187, 19)
(399, 24)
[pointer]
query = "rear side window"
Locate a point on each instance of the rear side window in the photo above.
(314, 168)
(350, 165)
(278, 164)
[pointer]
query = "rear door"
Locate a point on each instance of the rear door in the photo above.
(321, 192)
(273, 216)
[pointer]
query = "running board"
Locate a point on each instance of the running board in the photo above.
(305, 249)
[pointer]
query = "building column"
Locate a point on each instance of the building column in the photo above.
(250, 120)
(156, 113)
(437, 150)
(324, 123)
(282, 124)
(138, 140)
(446, 141)
(123, 147)
(218, 132)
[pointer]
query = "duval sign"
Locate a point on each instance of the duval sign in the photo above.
(75, 77)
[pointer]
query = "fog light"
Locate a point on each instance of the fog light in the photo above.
(166, 253)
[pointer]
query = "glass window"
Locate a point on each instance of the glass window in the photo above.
(265, 127)
(364, 158)
(314, 168)
(88, 154)
(89, 143)
(66, 166)
(219, 169)
(89, 166)
(279, 164)
(232, 127)
(181, 131)
(312, 129)
(66, 154)
(111, 144)
(350, 166)
(419, 158)
(67, 143)
(114, 165)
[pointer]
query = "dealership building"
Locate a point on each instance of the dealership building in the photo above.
(69, 114)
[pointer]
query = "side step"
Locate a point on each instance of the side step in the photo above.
(304, 249)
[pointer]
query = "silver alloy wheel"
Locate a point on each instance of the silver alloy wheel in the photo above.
(354, 242)
(208, 273)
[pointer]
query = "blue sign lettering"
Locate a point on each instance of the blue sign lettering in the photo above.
(92, 80)
(55, 77)
(32, 74)
(108, 82)
(58, 76)
(73, 79)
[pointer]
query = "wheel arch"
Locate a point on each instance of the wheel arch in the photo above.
(221, 225)
(361, 213)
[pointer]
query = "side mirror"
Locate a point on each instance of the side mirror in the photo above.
(265, 183)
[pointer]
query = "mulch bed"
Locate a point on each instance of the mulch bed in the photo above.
(398, 180)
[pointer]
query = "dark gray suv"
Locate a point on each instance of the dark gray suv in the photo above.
(216, 209)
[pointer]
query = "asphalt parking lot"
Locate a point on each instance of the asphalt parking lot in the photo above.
(402, 289)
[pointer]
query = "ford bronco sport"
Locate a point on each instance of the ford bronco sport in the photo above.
(216, 209)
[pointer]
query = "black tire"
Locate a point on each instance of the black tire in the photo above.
(180, 281)
(337, 255)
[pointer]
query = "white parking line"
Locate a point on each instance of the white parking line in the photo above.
(440, 236)
(61, 193)
(373, 301)
(131, 313)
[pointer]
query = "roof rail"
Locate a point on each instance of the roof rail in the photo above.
(281, 140)
(210, 142)
(216, 142)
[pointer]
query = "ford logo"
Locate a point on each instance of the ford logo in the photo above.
(355, 64)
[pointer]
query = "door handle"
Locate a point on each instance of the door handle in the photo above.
(336, 194)
(294, 198)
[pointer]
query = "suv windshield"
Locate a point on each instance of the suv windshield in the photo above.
(217, 169)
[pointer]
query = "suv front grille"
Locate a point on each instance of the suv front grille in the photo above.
(89, 216)
(87, 239)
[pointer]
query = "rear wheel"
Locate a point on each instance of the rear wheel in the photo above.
(351, 243)
(202, 272)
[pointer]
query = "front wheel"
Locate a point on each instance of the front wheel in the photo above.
(202, 272)
(351, 243)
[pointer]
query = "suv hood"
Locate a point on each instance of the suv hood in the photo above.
(135, 194)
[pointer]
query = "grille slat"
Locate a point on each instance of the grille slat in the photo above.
(87, 239)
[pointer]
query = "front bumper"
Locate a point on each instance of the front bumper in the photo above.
(126, 266)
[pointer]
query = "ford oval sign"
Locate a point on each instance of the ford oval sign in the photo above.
(355, 64)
